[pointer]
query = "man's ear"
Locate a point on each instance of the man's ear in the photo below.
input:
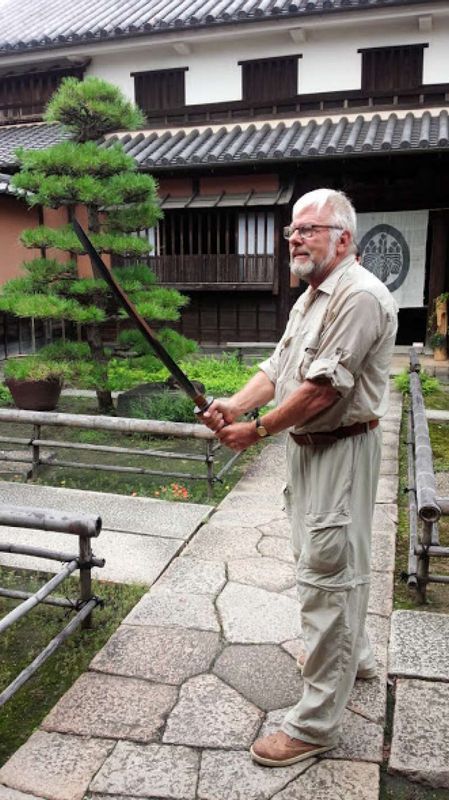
(344, 241)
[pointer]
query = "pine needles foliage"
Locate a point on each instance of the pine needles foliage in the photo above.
(121, 204)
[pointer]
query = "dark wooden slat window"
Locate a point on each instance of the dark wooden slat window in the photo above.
(160, 89)
(392, 68)
(27, 95)
(269, 78)
(214, 246)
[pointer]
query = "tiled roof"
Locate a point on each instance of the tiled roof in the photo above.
(32, 137)
(293, 141)
(36, 24)
(249, 143)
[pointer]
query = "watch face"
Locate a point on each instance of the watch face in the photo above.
(261, 431)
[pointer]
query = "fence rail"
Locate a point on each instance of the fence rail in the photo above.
(425, 505)
(85, 527)
(179, 430)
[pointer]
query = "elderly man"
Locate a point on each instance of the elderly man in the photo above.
(329, 375)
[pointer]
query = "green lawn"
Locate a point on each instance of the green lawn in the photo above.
(22, 642)
(185, 489)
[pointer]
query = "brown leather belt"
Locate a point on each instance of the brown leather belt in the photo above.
(330, 437)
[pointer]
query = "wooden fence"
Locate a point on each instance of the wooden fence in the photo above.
(425, 506)
(85, 527)
(155, 428)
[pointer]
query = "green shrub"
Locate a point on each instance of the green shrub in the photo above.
(65, 351)
(428, 383)
(220, 376)
(5, 396)
(33, 368)
(168, 405)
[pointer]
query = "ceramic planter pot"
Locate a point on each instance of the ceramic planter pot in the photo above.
(35, 395)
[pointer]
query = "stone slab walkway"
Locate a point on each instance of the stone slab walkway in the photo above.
(419, 659)
(205, 662)
(139, 537)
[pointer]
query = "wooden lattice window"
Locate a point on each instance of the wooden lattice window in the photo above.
(26, 94)
(270, 78)
(392, 68)
(160, 89)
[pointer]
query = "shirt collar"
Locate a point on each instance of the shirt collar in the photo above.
(332, 279)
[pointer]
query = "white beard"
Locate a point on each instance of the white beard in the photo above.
(308, 269)
(304, 270)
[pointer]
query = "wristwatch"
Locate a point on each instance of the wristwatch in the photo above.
(261, 429)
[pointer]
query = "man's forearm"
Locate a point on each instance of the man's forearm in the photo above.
(301, 406)
(258, 391)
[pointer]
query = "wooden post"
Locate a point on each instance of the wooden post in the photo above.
(33, 335)
(424, 561)
(35, 452)
(85, 576)
(210, 467)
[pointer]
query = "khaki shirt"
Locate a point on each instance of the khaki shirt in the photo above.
(343, 332)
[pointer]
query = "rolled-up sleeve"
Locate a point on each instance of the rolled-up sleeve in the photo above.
(348, 337)
(271, 367)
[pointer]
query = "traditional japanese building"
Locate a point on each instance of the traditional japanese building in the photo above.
(248, 105)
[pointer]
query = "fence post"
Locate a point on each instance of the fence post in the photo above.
(210, 466)
(424, 560)
(36, 451)
(85, 550)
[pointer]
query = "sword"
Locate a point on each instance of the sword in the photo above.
(202, 403)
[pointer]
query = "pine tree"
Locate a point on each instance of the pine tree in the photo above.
(120, 203)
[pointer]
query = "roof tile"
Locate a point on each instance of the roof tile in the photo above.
(273, 141)
(35, 24)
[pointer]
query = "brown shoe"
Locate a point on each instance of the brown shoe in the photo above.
(280, 750)
(362, 674)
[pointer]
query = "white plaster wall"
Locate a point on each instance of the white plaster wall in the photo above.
(213, 74)
(330, 61)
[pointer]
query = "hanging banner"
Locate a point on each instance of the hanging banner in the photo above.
(393, 246)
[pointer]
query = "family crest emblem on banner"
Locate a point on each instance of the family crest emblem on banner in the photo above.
(385, 252)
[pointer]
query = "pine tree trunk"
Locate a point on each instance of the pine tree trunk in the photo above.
(104, 396)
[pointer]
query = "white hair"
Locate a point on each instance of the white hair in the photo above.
(342, 212)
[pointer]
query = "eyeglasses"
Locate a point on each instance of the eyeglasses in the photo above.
(306, 231)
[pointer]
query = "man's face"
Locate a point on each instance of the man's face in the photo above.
(312, 258)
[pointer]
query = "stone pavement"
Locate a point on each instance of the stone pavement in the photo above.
(205, 662)
(139, 537)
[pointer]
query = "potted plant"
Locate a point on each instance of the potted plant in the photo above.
(35, 384)
(438, 343)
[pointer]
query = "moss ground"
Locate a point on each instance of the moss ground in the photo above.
(26, 638)
(392, 787)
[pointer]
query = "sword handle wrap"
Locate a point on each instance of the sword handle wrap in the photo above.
(203, 404)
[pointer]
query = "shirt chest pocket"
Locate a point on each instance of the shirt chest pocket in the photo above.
(307, 356)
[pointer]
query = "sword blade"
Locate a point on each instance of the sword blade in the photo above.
(98, 264)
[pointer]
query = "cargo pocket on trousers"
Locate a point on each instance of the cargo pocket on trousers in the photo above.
(326, 546)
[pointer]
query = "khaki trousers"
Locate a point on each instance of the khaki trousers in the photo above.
(330, 496)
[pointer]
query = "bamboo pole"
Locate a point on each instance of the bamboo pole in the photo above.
(115, 468)
(412, 580)
(35, 452)
(443, 503)
(433, 550)
(181, 430)
(27, 673)
(50, 520)
(37, 597)
(39, 552)
(415, 366)
(103, 448)
(85, 565)
(15, 594)
(428, 508)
